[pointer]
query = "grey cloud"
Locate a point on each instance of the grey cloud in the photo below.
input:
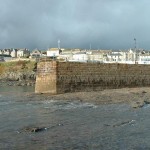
(105, 24)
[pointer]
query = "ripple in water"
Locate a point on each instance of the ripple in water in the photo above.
(5, 103)
(67, 105)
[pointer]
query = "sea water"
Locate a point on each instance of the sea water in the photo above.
(69, 125)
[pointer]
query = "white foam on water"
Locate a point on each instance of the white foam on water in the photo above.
(66, 105)
(146, 106)
(50, 101)
(78, 105)
(5, 103)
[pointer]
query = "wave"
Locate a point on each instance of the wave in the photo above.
(5, 103)
(67, 105)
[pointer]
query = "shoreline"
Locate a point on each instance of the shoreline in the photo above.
(136, 97)
(6, 82)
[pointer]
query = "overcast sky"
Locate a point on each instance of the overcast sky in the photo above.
(103, 24)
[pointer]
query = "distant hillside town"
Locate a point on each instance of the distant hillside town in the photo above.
(130, 56)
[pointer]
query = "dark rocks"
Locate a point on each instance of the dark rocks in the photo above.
(15, 76)
(18, 78)
(16, 83)
(140, 103)
(147, 101)
(137, 104)
(124, 123)
(143, 92)
(118, 124)
(34, 129)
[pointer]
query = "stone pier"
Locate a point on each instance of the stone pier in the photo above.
(59, 77)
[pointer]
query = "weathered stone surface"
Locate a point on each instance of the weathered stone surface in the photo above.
(137, 104)
(60, 77)
(18, 78)
(46, 79)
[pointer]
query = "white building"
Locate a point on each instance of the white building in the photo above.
(14, 53)
(144, 59)
(81, 56)
(130, 55)
(5, 51)
(53, 52)
(23, 53)
(114, 57)
(96, 55)
(66, 56)
(36, 54)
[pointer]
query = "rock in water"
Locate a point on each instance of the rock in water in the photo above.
(137, 104)
(34, 129)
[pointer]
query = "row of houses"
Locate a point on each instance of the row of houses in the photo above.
(15, 52)
(104, 56)
(21, 53)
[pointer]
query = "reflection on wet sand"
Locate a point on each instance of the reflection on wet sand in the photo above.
(31, 121)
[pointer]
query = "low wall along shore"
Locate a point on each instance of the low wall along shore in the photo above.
(60, 77)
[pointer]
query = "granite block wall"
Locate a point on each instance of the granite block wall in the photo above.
(46, 77)
(60, 77)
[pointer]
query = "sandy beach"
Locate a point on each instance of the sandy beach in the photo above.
(108, 96)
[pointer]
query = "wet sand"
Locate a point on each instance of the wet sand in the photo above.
(37, 121)
(108, 96)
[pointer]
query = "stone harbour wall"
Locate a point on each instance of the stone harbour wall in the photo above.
(60, 77)
(46, 77)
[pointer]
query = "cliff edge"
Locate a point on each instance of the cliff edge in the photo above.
(18, 73)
